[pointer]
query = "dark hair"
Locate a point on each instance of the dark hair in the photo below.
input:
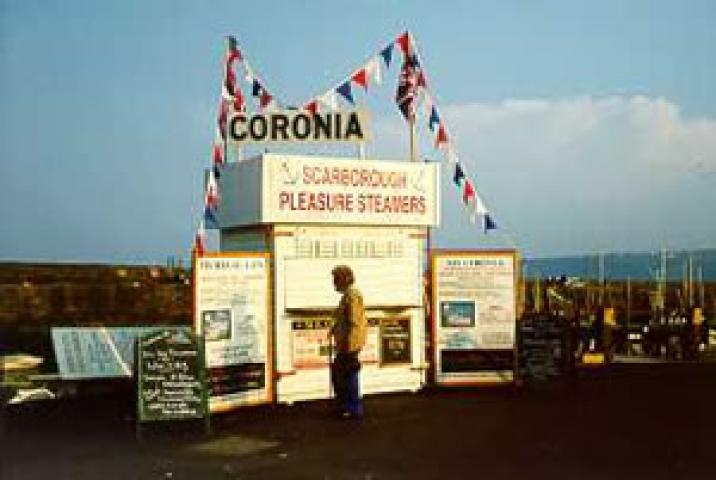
(343, 274)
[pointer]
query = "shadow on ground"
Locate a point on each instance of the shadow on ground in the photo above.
(632, 421)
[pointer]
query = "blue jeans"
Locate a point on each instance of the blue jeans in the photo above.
(345, 376)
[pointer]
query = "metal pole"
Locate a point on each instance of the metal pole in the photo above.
(691, 281)
(413, 146)
(628, 312)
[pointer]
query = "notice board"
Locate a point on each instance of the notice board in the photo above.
(474, 316)
(232, 313)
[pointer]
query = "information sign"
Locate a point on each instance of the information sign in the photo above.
(474, 300)
(98, 352)
(395, 341)
(232, 313)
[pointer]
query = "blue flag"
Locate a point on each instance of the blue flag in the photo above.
(387, 54)
(345, 91)
(210, 218)
(489, 223)
(256, 88)
(459, 175)
(433, 119)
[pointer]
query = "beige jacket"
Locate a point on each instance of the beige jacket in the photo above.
(349, 329)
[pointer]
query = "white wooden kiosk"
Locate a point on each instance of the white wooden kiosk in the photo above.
(312, 213)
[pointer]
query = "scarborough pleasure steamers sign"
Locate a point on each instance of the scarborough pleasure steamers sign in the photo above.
(305, 189)
(276, 188)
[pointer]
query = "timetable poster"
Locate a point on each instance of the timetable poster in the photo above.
(474, 300)
(232, 315)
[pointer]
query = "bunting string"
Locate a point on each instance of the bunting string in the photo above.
(413, 95)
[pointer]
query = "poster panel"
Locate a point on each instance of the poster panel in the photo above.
(232, 314)
(310, 345)
(474, 300)
(395, 341)
(84, 353)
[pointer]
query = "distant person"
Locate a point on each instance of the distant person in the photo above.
(349, 334)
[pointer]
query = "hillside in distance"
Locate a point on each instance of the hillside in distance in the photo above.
(632, 265)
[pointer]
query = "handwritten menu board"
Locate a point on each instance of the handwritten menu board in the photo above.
(171, 378)
(395, 341)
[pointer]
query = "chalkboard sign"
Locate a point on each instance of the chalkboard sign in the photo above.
(543, 352)
(395, 342)
(171, 376)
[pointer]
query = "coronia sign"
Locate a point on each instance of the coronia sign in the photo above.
(332, 190)
(298, 126)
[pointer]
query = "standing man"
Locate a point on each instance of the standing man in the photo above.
(348, 332)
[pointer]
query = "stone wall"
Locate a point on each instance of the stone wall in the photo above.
(36, 297)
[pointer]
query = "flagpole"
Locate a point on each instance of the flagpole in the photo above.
(413, 149)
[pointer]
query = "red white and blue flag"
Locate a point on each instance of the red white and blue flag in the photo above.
(200, 240)
(408, 86)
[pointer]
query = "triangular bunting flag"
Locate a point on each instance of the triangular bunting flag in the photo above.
(360, 78)
(468, 192)
(404, 42)
(217, 154)
(427, 103)
(210, 218)
(256, 88)
(329, 100)
(345, 91)
(265, 100)
(211, 198)
(229, 84)
(421, 79)
(480, 207)
(488, 223)
(250, 77)
(407, 93)
(232, 51)
(442, 136)
(372, 68)
(387, 54)
(221, 121)
(239, 103)
(459, 175)
(200, 240)
(311, 107)
(434, 118)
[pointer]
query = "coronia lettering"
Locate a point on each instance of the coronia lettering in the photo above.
(295, 126)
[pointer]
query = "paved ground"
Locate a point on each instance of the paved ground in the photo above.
(655, 421)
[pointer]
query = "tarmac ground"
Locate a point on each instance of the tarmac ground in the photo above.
(631, 421)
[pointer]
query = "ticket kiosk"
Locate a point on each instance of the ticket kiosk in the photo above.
(312, 213)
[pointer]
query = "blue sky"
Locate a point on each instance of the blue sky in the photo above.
(587, 126)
